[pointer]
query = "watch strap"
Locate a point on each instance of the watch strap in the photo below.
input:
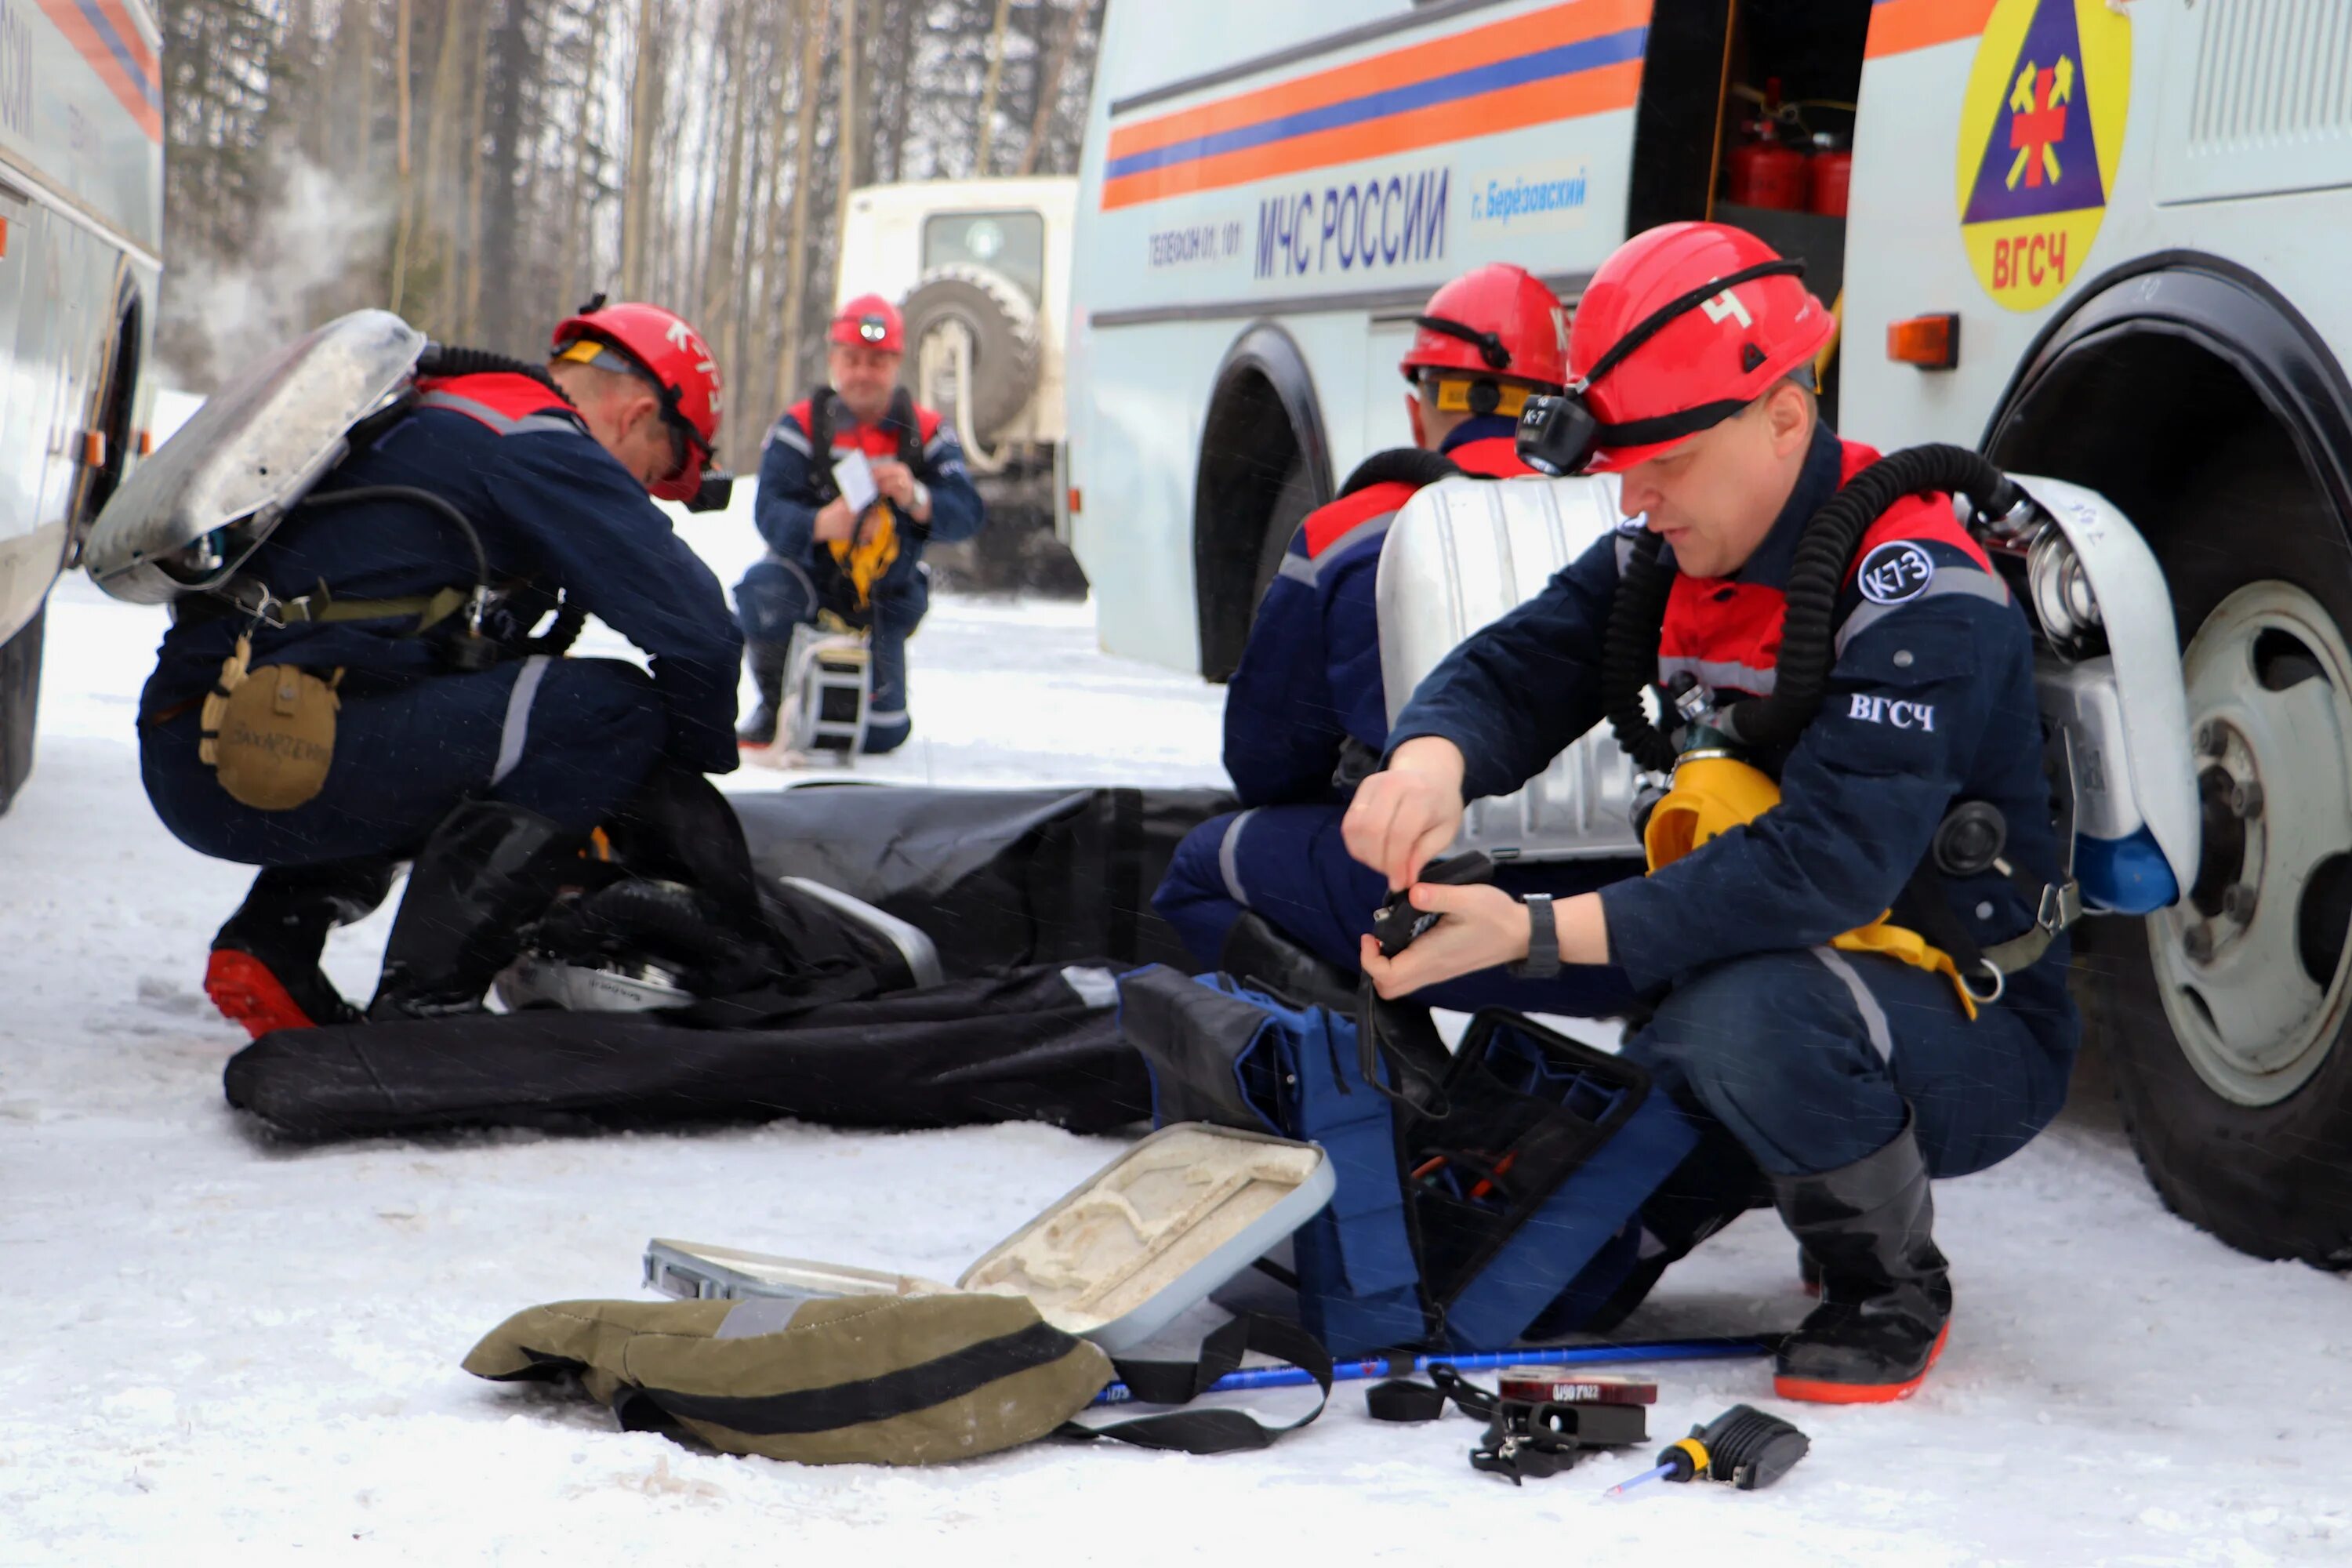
(1543, 940)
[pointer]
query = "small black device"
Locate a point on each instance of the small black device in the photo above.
(1398, 923)
(1557, 435)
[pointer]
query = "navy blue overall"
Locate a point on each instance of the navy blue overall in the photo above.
(569, 739)
(799, 577)
(1807, 1056)
(1308, 685)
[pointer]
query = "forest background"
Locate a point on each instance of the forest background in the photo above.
(484, 166)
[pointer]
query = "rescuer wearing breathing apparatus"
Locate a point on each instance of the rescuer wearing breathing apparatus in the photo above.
(864, 568)
(366, 689)
(1853, 921)
(1271, 890)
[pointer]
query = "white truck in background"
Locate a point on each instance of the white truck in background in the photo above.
(981, 270)
(81, 222)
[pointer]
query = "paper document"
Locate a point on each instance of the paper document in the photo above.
(854, 476)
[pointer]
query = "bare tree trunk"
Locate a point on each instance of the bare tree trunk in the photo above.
(644, 119)
(435, 250)
(469, 309)
(796, 261)
(718, 274)
(846, 111)
(1049, 90)
(979, 163)
(401, 18)
(577, 238)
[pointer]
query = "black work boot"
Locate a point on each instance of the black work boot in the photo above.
(1885, 1298)
(264, 970)
(766, 660)
(488, 870)
(1263, 958)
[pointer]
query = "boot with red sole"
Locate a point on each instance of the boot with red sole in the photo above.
(1886, 1298)
(263, 971)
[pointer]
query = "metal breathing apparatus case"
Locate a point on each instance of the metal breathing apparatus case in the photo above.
(191, 514)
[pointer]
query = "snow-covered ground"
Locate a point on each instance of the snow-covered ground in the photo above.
(222, 1352)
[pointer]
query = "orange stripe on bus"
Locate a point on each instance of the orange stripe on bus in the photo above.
(1899, 26)
(1511, 109)
(83, 35)
(1566, 24)
(142, 56)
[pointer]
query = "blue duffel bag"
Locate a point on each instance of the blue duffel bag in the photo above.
(1497, 1191)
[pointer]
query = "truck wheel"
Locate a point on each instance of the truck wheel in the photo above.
(2225, 1017)
(1003, 326)
(20, 699)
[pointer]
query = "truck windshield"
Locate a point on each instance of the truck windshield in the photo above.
(1010, 243)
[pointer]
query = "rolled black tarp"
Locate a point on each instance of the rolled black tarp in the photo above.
(1040, 1044)
(997, 878)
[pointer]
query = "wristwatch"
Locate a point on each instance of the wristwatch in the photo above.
(1542, 960)
(922, 502)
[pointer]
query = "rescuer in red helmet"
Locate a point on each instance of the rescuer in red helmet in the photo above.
(862, 565)
(453, 739)
(1863, 669)
(1271, 890)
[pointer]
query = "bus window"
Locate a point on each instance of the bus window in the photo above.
(1010, 243)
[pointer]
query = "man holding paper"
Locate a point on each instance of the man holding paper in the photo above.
(854, 482)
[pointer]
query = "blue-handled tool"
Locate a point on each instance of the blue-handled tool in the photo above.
(1474, 1361)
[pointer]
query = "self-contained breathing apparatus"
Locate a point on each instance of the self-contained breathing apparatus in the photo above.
(1711, 754)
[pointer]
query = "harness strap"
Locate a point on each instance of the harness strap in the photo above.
(246, 596)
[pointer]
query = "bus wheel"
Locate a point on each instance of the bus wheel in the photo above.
(2224, 1018)
(20, 696)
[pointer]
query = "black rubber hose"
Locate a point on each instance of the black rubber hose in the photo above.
(444, 359)
(440, 505)
(1629, 653)
(1815, 578)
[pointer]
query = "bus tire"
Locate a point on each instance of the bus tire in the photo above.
(2239, 1114)
(20, 699)
(1006, 348)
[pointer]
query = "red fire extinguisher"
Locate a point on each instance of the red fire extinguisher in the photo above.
(1833, 172)
(1763, 170)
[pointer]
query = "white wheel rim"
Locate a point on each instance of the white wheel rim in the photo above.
(2250, 1018)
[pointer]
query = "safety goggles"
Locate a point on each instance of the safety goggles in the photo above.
(1560, 435)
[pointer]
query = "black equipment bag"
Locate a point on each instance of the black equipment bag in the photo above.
(1041, 1044)
(995, 877)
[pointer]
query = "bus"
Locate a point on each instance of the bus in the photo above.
(2095, 239)
(81, 222)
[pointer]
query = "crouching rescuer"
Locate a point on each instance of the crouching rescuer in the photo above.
(1852, 923)
(1270, 890)
(863, 568)
(365, 689)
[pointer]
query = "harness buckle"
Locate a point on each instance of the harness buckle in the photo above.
(2061, 906)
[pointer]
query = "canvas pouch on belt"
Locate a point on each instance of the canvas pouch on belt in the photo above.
(269, 733)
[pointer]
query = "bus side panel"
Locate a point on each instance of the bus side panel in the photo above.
(81, 108)
(1204, 212)
(1911, 252)
(41, 314)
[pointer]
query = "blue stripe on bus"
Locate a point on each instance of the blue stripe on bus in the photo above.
(1565, 59)
(104, 24)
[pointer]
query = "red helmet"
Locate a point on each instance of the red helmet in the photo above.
(1683, 326)
(869, 321)
(1494, 319)
(659, 345)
